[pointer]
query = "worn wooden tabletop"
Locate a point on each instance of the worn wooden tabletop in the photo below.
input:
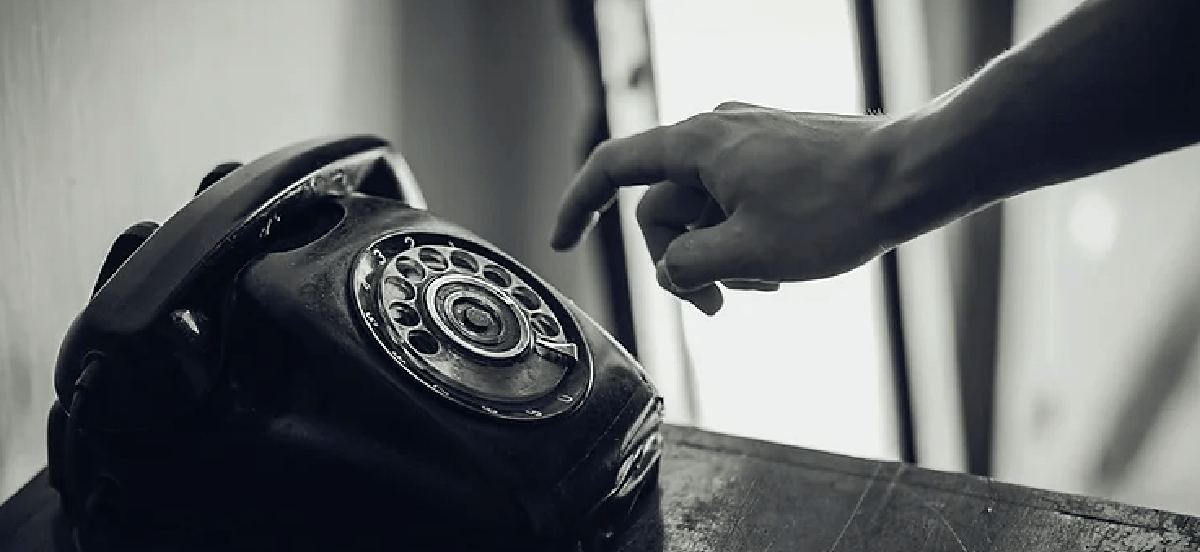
(721, 493)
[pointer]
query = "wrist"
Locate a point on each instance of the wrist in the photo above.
(910, 194)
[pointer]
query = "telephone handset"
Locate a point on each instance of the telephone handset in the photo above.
(229, 218)
(304, 353)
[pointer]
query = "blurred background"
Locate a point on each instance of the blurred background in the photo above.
(1047, 341)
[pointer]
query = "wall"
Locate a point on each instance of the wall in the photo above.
(111, 112)
(496, 107)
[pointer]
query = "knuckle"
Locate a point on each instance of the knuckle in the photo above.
(700, 135)
(601, 153)
(700, 126)
(710, 172)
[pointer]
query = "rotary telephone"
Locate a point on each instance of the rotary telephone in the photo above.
(305, 357)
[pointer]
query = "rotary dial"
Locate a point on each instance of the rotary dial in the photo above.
(471, 326)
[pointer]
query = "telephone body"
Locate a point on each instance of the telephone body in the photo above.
(304, 356)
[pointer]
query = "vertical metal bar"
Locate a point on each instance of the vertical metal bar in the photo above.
(962, 37)
(868, 53)
(631, 96)
(582, 15)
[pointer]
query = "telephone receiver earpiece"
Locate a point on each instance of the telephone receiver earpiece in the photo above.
(215, 175)
(134, 236)
(124, 246)
(150, 270)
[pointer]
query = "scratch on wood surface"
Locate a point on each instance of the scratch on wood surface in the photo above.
(771, 543)
(946, 522)
(887, 494)
(857, 507)
(743, 511)
(1105, 534)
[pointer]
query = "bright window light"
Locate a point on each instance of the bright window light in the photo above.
(806, 365)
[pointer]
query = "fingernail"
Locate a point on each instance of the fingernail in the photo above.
(564, 240)
(708, 299)
(702, 306)
(664, 279)
(556, 238)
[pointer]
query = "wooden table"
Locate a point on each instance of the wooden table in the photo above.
(721, 493)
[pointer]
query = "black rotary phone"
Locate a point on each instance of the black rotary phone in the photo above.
(303, 357)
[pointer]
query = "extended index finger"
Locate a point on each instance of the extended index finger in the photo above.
(644, 158)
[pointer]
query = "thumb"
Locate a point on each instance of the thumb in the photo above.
(707, 255)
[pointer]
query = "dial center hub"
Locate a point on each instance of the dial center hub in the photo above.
(477, 319)
(478, 316)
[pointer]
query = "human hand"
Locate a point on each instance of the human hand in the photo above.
(744, 195)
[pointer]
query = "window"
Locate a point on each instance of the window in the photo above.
(807, 365)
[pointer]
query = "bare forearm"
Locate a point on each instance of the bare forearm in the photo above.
(1113, 82)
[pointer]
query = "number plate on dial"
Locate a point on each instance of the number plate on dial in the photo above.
(471, 326)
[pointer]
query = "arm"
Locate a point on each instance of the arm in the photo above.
(1113, 82)
(745, 193)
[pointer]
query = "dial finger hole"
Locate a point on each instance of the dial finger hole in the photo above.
(423, 342)
(404, 314)
(464, 260)
(432, 259)
(545, 325)
(398, 288)
(527, 298)
(497, 275)
(411, 270)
